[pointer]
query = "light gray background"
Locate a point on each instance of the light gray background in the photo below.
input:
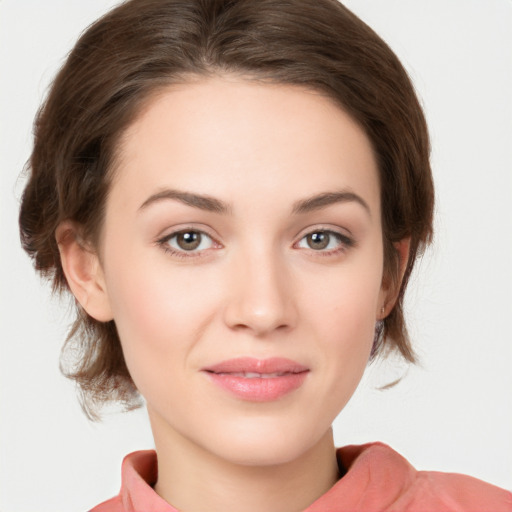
(454, 413)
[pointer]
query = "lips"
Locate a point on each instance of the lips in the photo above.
(257, 380)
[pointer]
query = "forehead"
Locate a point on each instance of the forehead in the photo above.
(222, 135)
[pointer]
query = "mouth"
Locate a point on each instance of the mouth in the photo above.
(257, 380)
(253, 375)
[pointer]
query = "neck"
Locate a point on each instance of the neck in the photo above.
(192, 479)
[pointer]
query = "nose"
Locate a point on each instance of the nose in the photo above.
(261, 299)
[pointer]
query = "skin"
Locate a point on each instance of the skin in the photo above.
(254, 286)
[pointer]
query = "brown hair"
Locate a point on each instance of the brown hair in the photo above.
(144, 45)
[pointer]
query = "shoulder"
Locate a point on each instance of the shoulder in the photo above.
(452, 491)
(112, 505)
(389, 482)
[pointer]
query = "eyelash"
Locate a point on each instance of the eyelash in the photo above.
(183, 254)
(344, 241)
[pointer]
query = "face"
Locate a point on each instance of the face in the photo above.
(242, 262)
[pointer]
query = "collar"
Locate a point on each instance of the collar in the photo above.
(374, 476)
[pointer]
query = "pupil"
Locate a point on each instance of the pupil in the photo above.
(189, 240)
(319, 240)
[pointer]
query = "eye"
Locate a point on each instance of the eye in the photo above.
(187, 241)
(324, 240)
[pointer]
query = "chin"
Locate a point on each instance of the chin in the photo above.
(263, 443)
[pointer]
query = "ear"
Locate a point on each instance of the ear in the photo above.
(83, 272)
(391, 287)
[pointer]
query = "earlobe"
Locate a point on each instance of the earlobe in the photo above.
(391, 286)
(83, 272)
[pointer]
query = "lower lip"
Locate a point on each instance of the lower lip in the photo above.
(259, 389)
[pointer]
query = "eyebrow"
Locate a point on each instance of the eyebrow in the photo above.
(325, 199)
(212, 204)
(203, 202)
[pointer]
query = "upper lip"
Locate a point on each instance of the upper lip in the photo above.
(274, 365)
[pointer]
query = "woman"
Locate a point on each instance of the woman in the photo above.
(235, 194)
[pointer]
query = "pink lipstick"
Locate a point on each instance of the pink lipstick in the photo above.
(258, 380)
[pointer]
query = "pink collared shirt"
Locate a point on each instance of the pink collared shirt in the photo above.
(377, 479)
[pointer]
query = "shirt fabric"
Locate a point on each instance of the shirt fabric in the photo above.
(376, 479)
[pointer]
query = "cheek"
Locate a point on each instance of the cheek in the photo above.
(345, 346)
(348, 297)
(143, 322)
(159, 314)
(342, 314)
